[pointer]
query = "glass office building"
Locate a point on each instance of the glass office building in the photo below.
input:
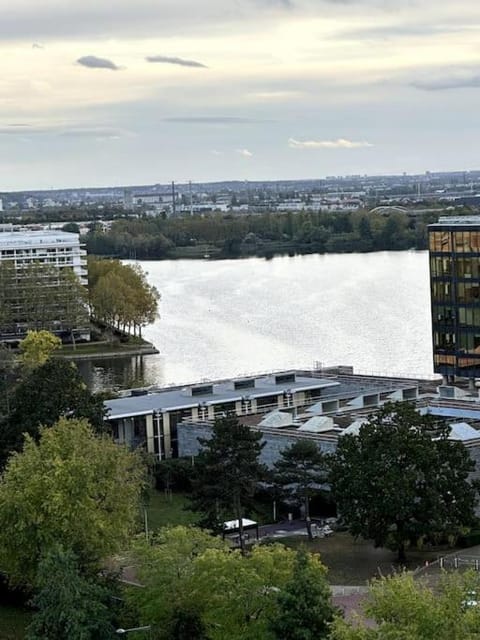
(454, 245)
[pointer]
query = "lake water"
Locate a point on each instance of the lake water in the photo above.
(230, 317)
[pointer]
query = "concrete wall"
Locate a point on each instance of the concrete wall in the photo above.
(189, 434)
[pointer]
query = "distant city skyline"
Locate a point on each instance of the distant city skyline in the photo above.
(101, 94)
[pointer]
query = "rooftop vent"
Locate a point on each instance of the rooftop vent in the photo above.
(282, 378)
(244, 383)
(202, 390)
(138, 392)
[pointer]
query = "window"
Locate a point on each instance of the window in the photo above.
(267, 401)
(441, 291)
(440, 241)
(441, 266)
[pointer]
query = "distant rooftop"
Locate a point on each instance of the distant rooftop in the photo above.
(457, 220)
(26, 238)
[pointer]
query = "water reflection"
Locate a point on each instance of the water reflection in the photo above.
(231, 317)
(113, 374)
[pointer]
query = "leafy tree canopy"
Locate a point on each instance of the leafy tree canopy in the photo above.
(304, 611)
(191, 577)
(50, 391)
(72, 488)
(408, 609)
(401, 479)
(68, 604)
(37, 347)
(121, 296)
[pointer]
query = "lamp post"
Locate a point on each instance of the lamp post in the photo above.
(122, 632)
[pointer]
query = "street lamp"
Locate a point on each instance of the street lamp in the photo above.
(121, 631)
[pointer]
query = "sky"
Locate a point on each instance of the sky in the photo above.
(118, 92)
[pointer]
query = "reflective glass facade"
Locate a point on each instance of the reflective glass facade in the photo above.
(455, 297)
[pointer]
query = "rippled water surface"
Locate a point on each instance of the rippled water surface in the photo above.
(223, 318)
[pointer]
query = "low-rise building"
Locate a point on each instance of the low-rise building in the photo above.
(167, 422)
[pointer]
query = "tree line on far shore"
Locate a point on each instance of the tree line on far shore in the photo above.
(261, 234)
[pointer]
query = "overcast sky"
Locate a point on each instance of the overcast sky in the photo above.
(112, 92)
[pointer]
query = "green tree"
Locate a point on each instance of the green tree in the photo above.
(305, 611)
(240, 591)
(165, 568)
(300, 473)
(47, 393)
(120, 295)
(71, 227)
(69, 604)
(187, 625)
(72, 488)
(227, 472)
(193, 580)
(401, 479)
(405, 608)
(37, 347)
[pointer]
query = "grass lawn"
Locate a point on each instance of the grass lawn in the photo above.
(163, 510)
(100, 349)
(13, 622)
(353, 562)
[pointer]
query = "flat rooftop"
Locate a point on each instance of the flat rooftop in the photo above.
(182, 398)
(170, 399)
(453, 221)
(34, 238)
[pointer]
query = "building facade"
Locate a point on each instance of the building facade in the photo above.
(454, 245)
(33, 283)
(153, 420)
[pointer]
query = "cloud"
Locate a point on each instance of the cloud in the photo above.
(213, 120)
(469, 80)
(92, 62)
(98, 133)
(37, 45)
(340, 143)
(215, 152)
(63, 131)
(244, 152)
(21, 129)
(181, 62)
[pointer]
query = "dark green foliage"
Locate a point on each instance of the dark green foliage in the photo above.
(402, 480)
(71, 227)
(300, 472)
(304, 604)
(174, 474)
(187, 625)
(48, 392)
(68, 604)
(227, 472)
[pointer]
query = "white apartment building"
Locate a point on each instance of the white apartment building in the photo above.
(55, 248)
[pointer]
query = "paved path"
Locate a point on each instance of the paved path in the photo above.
(283, 529)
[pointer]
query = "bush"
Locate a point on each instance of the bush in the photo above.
(15, 596)
(174, 474)
(469, 540)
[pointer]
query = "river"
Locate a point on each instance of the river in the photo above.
(230, 317)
